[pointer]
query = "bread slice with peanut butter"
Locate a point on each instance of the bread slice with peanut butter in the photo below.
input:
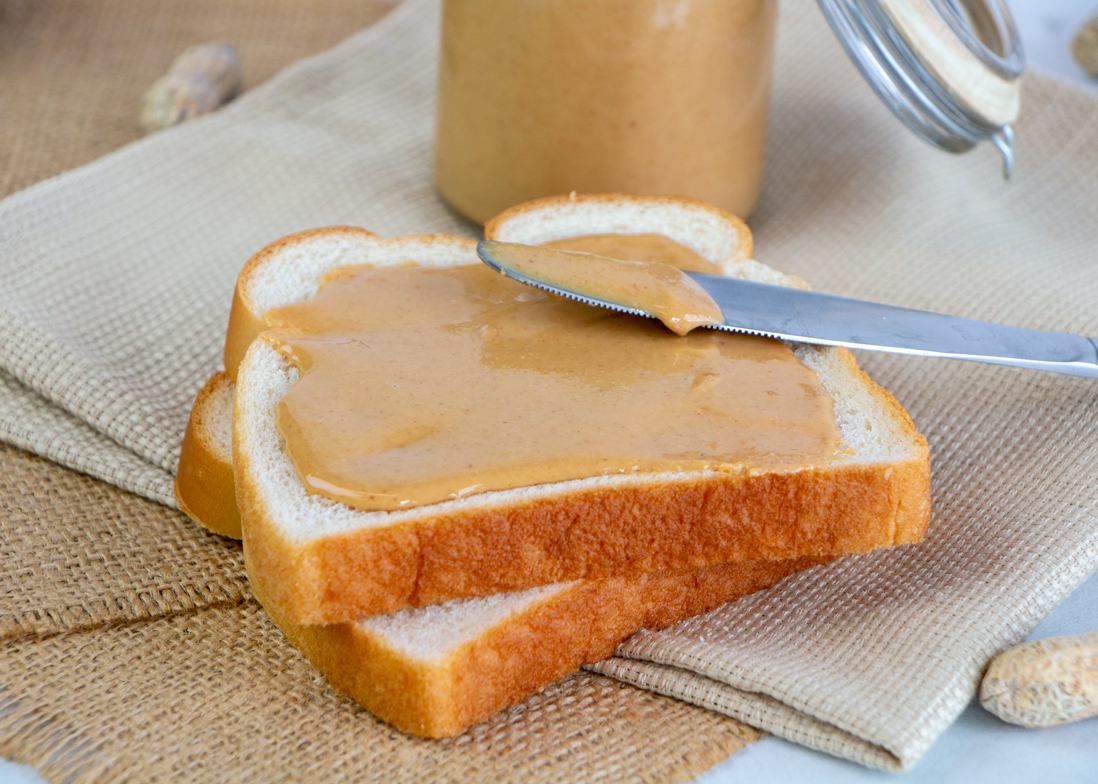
(319, 562)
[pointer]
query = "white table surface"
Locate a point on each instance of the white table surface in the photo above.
(978, 748)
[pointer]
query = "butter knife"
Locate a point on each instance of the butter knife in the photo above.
(823, 319)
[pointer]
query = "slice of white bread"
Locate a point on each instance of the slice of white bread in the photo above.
(319, 562)
(433, 671)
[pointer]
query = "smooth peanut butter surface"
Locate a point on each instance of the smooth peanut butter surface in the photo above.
(422, 385)
(656, 288)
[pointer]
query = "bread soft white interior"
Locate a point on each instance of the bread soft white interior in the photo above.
(295, 273)
(708, 231)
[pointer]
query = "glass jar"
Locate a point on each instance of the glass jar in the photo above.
(544, 97)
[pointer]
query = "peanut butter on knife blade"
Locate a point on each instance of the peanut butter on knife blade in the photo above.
(660, 290)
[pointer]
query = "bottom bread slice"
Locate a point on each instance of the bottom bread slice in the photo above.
(204, 479)
(433, 671)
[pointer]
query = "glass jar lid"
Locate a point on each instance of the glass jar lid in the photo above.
(949, 69)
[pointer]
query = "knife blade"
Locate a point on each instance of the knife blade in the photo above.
(824, 319)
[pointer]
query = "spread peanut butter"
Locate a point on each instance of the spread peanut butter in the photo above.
(424, 384)
(653, 287)
(616, 96)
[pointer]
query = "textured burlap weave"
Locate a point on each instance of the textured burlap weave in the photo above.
(75, 70)
(219, 695)
(116, 289)
(79, 553)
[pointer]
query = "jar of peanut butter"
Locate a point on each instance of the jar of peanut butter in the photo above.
(544, 97)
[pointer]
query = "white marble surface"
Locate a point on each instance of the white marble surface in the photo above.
(1047, 28)
(978, 748)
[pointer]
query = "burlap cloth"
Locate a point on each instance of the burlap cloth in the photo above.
(115, 290)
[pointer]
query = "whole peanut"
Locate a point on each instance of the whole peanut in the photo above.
(200, 80)
(1045, 682)
(1085, 45)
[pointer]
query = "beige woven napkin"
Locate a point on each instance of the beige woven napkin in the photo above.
(117, 279)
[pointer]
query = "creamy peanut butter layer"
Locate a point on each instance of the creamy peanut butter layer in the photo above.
(422, 385)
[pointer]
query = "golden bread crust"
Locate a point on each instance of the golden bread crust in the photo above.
(439, 699)
(580, 625)
(911, 478)
(204, 481)
(592, 533)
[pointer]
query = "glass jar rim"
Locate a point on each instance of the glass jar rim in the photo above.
(920, 57)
